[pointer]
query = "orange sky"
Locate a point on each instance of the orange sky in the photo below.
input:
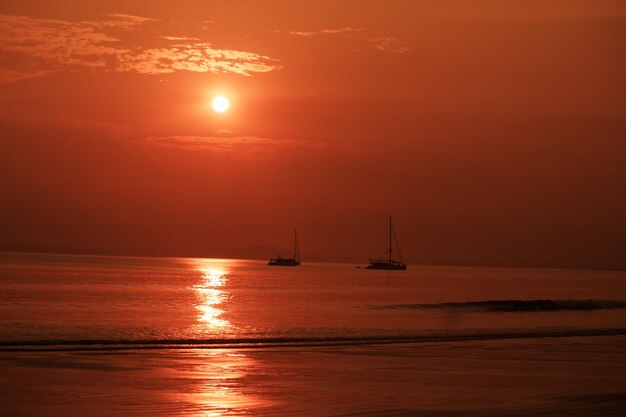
(493, 131)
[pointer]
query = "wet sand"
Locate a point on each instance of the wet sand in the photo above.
(570, 376)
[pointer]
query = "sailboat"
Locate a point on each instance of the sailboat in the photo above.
(295, 261)
(389, 263)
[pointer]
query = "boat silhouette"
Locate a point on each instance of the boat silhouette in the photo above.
(389, 263)
(295, 261)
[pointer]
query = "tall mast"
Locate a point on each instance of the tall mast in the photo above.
(390, 229)
(296, 249)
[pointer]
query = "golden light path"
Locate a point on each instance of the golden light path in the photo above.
(211, 293)
(217, 375)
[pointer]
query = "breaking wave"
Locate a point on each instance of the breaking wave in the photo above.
(514, 305)
(282, 342)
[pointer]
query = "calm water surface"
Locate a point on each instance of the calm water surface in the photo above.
(59, 298)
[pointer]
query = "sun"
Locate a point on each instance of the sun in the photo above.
(220, 104)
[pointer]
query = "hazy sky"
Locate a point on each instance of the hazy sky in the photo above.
(493, 131)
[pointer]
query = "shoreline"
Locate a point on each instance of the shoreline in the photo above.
(577, 376)
(297, 342)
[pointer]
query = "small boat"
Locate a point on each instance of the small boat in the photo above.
(295, 261)
(390, 263)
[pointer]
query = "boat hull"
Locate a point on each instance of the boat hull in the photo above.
(283, 262)
(386, 264)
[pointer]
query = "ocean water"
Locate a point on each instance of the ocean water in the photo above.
(60, 300)
(172, 336)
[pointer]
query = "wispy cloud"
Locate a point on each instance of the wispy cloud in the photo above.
(11, 76)
(56, 45)
(380, 43)
(204, 24)
(308, 34)
(241, 147)
(389, 44)
(196, 57)
(118, 21)
(178, 38)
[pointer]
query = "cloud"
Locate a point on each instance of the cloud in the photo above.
(178, 38)
(195, 57)
(118, 21)
(11, 76)
(242, 147)
(380, 43)
(56, 45)
(56, 42)
(389, 44)
(204, 24)
(308, 34)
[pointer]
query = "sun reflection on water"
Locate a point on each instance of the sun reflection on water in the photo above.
(211, 293)
(217, 377)
(216, 383)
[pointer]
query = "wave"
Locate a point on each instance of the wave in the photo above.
(269, 342)
(514, 305)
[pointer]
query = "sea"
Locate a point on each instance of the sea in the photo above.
(100, 335)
